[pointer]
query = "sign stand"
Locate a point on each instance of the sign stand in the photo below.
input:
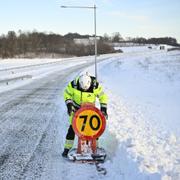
(89, 143)
(88, 124)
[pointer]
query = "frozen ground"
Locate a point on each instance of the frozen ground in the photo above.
(142, 134)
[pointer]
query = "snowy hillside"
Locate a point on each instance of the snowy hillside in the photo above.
(142, 134)
(144, 93)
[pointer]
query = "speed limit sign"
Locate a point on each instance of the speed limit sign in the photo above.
(89, 122)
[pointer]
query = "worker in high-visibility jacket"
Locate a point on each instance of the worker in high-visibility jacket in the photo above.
(83, 89)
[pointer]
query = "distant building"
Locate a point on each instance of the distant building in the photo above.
(85, 41)
(123, 44)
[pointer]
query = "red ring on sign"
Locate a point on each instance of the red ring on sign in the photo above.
(93, 108)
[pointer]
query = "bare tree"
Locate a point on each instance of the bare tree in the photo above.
(116, 37)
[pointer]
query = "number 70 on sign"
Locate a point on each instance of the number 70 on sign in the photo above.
(89, 122)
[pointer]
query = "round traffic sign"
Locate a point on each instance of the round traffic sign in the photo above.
(89, 122)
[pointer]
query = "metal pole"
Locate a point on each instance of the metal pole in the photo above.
(95, 37)
(83, 7)
(95, 41)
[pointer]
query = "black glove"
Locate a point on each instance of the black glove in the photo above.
(70, 108)
(104, 111)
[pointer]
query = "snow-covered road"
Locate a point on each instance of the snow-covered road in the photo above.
(33, 124)
(28, 127)
(33, 118)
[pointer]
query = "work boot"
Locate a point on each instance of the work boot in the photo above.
(65, 152)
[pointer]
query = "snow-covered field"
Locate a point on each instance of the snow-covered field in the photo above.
(142, 135)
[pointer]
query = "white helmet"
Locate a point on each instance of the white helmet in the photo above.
(85, 81)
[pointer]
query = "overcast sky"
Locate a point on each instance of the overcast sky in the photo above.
(132, 18)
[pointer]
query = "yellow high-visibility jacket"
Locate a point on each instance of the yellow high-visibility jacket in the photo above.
(73, 94)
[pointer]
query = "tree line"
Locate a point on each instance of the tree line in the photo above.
(163, 40)
(22, 43)
(14, 45)
(116, 37)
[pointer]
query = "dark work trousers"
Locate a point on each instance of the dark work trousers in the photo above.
(70, 134)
